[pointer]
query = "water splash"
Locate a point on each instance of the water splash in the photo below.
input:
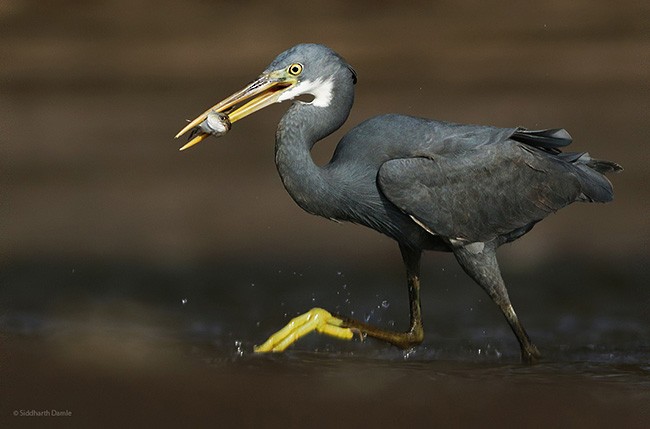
(407, 354)
(238, 348)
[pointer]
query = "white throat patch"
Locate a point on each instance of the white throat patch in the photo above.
(320, 89)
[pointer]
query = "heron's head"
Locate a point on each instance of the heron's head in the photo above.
(303, 69)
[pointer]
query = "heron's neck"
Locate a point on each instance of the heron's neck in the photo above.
(299, 130)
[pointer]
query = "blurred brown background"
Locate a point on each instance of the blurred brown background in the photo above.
(103, 220)
(93, 92)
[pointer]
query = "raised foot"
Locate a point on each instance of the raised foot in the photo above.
(316, 319)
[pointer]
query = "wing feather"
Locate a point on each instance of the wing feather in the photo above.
(481, 194)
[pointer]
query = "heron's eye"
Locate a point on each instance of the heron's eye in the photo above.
(295, 69)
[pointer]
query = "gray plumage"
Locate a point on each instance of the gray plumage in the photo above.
(465, 182)
(430, 185)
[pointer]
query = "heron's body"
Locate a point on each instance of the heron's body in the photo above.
(393, 168)
(430, 185)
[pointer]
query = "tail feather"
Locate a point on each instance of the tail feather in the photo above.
(603, 166)
(589, 171)
(550, 140)
(595, 186)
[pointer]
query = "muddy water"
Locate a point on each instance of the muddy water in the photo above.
(129, 346)
(135, 280)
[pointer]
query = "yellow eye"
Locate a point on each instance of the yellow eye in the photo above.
(295, 69)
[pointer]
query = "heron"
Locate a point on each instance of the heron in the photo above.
(427, 184)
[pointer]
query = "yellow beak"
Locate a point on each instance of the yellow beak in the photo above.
(262, 92)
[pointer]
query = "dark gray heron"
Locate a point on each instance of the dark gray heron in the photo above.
(429, 185)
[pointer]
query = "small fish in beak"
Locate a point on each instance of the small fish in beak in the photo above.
(262, 92)
(216, 124)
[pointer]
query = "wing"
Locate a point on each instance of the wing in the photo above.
(479, 194)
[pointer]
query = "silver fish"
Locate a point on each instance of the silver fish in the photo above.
(216, 124)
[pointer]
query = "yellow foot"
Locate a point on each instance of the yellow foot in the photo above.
(316, 319)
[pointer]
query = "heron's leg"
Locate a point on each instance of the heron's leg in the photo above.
(341, 327)
(480, 263)
(415, 334)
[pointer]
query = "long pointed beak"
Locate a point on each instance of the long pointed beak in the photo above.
(262, 92)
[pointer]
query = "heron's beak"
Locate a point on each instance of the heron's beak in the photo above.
(264, 91)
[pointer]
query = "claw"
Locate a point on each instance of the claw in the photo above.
(316, 319)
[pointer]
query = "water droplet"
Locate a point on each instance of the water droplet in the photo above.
(184, 301)
(391, 323)
(338, 273)
(385, 303)
(345, 286)
(238, 347)
(406, 354)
